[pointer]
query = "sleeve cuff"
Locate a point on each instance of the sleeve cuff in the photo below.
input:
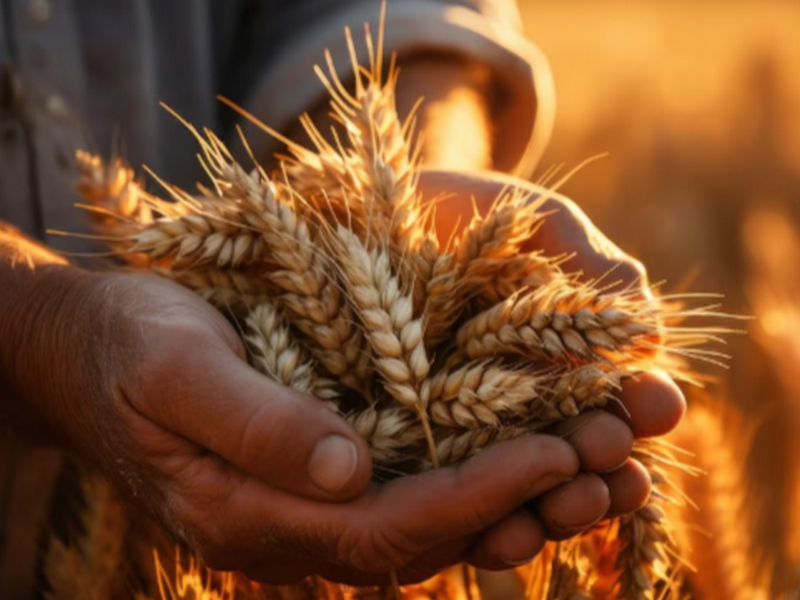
(523, 121)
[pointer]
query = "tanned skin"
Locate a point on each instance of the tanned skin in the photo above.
(149, 384)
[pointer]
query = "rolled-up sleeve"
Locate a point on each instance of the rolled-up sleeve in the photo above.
(485, 31)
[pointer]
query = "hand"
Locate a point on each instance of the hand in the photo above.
(654, 402)
(149, 383)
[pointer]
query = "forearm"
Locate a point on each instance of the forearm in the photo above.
(454, 119)
(33, 281)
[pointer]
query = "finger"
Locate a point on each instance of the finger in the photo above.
(656, 405)
(573, 507)
(386, 528)
(629, 488)
(286, 439)
(466, 499)
(602, 441)
(514, 541)
(423, 567)
(568, 231)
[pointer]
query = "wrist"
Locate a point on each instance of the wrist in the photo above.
(455, 119)
(39, 310)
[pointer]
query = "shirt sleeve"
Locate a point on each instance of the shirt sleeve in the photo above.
(485, 31)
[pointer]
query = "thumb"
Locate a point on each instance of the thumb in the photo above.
(286, 439)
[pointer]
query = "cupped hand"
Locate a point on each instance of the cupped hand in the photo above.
(149, 383)
(652, 402)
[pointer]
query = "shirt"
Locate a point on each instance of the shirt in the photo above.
(90, 74)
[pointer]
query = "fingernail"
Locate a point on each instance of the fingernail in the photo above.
(547, 483)
(333, 463)
(516, 562)
(576, 529)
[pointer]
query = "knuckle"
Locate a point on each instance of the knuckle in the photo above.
(374, 549)
(214, 542)
(417, 573)
(268, 430)
(162, 364)
(202, 519)
(553, 455)
(632, 271)
(476, 519)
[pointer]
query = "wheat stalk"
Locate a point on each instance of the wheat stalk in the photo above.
(92, 567)
(714, 433)
(570, 574)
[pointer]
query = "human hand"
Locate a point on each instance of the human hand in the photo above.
(654, 403)
(149, 383)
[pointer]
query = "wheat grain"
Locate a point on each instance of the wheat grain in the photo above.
(457, 445)
(390, 433)
(648, 545)
(480, 394)
(311, 298)
(227, 289)
(387, 312)
(276, 353)
(562, 321)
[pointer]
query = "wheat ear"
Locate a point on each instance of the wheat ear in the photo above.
(562, 321)
(391, 433)
(395, 335)
(713, 432)
(275, 352)
(453, 446)
(480, 394)
(226, 289)
(91, 568)
(311, 298)
(111, 188)
(571, 576)
(649, 553)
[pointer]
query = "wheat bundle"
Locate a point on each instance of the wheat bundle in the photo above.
(333, 270)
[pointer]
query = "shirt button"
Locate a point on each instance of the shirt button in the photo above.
(40, 10)
(57, 106)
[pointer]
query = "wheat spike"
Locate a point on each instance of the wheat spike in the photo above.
(571, 391)
(227, 289)
(571, 576)
(311, 299)
(480, 395)
(459, 445)
(513, 273)
(111, 187)
(714, 529)
(489, 240)
(560, 321)
(275, 353)
(395, 335)
(648, 545)
(94, 566)
(391, 433)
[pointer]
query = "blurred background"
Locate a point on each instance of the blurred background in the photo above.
(698, 104)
